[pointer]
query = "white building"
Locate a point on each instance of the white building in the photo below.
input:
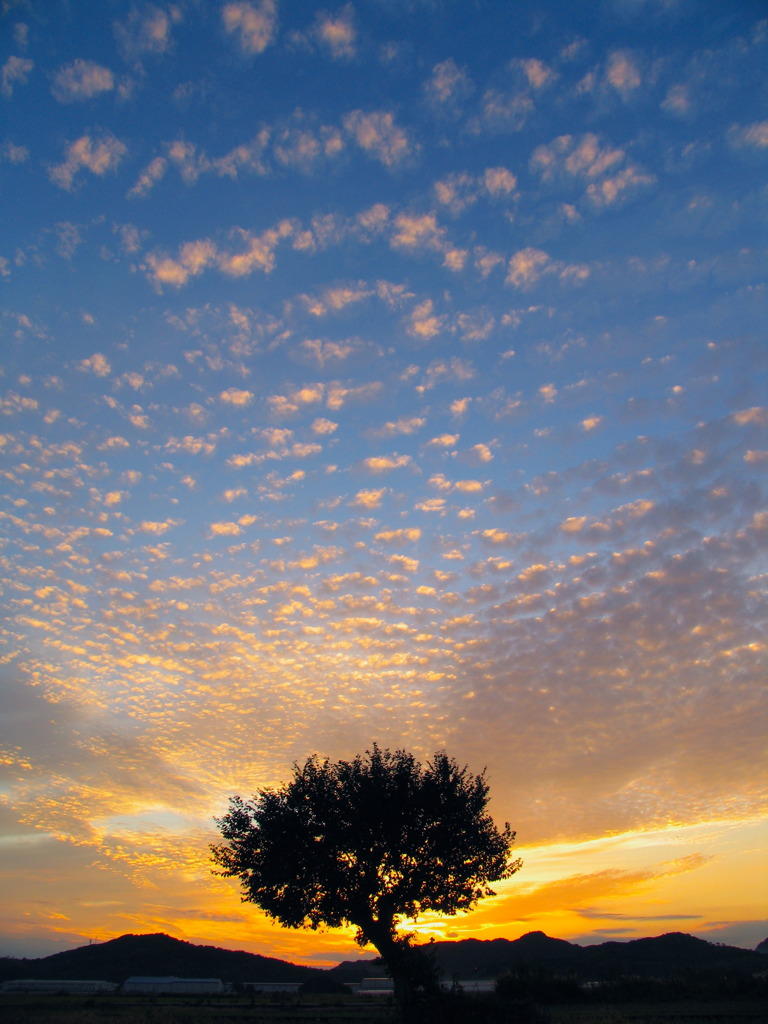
(372, 987)
(51, 987)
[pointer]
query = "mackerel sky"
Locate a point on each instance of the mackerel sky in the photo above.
(388, 371)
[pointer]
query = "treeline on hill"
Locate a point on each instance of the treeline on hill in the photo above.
(663, 956)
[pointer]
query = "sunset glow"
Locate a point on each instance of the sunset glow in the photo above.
(384, 371)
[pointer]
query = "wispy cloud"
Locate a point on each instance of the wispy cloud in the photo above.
(81, 80)
(15, 71)
(146, 30)
(99, 154)
(337, 32)
(254, 25)
(380, 137)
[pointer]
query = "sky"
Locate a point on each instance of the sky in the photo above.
(391, 371)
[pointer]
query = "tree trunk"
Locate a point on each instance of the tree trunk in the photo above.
(397, 957)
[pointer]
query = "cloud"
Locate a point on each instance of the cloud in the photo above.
(303, 148)
(190, 445)
(453, 370)
(418, 231)
(14, 154)
(612, 190)
(756, 414)
(457, 192)
(527, 266)
(146, 30)
(369, 499)
(379, 136)
(322, 352)
(678, 100)
(324, 427)
(259, 251)
(424, 323)
(506, 111)
(408, 533)
(337, 32)
(622, 73)
(476, 326)
(339, 395)
(69, 239)
(255, 24)
(537, 72)
(15, 71)
(99, 155)
(157, 528)
(193, 258)
(225, 529)
(236, 397)
(98, 364)
(81, 80)
(149, 177)
(340, 296)
(499, 181)
(185, 157)
(373, 220)
(386, 463)
(192, 162)
(247, 156)
(403, 425)
(609, 178)
(591, 423)
(443, 441)
(749, 136)
(448, 86)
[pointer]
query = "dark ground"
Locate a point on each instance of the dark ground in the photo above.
(35, 1009)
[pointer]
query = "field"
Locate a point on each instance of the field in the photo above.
(26, 1009)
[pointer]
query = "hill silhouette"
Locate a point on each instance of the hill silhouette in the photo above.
(156, 954)
(665, 956)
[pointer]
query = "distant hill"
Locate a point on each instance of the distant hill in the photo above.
(491, 957)
(661, 957)
(156, 954)
(666, 956)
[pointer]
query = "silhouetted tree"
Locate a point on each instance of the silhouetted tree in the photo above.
(368, 842)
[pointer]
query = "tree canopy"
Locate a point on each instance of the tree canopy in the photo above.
(367, 842)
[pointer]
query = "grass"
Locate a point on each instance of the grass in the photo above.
(664, 1013)
(36, 1009)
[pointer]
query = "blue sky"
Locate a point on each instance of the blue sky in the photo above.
(384, 371)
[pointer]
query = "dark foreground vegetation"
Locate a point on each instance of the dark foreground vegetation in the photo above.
(521, 997)
(351, 1010)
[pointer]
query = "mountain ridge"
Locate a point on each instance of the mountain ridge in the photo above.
(155, 953)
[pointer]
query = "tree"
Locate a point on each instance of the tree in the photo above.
(367, 842)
